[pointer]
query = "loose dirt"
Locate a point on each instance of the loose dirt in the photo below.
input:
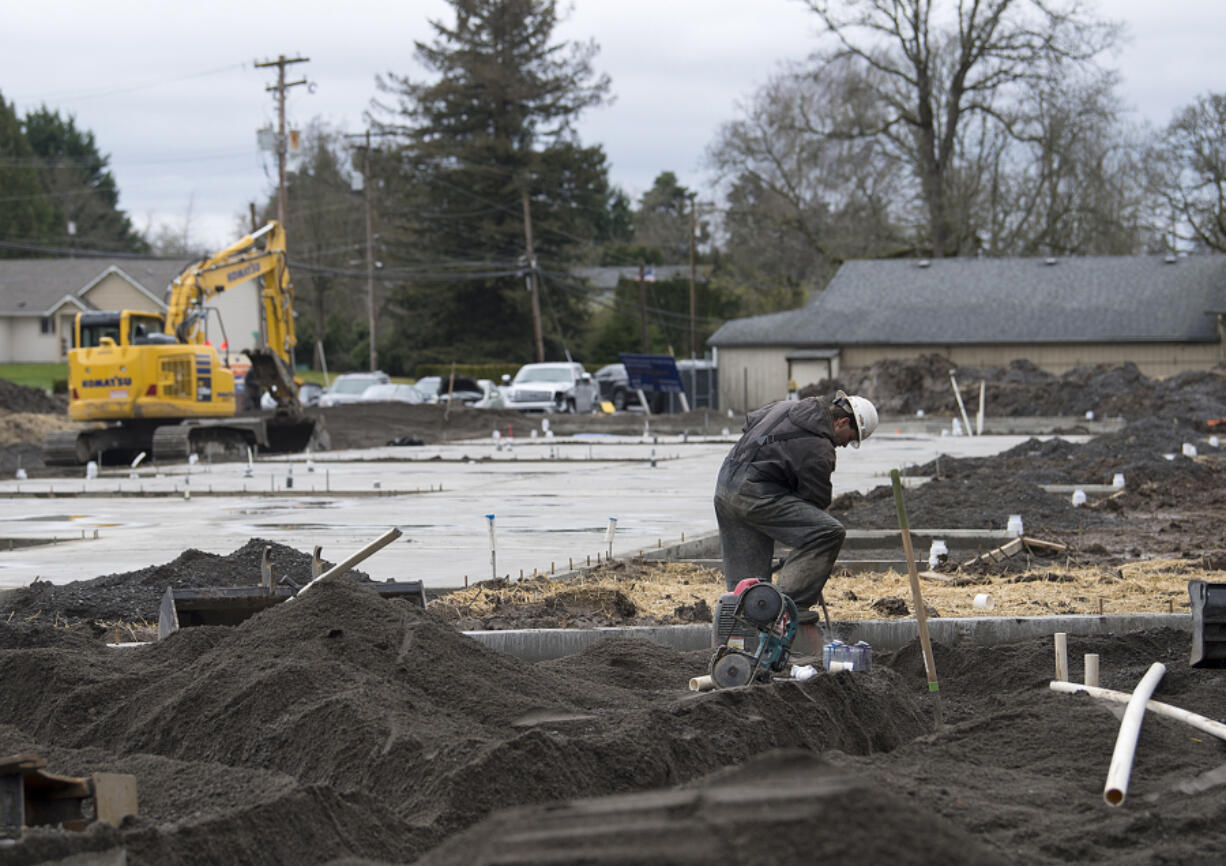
(344, 727)
(1023, 390)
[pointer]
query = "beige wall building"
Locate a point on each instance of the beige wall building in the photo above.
(40, 298)
(1164, 314)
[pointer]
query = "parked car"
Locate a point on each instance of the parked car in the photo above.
(492, 398)
(392, 392)
(309, 393)
(428, 387)
(462, 390)
(349, 387)
(614, 385)
(556, 387)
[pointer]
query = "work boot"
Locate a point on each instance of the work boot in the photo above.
(808, 617)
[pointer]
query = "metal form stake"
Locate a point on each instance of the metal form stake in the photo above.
(493, 548)
(921, 615)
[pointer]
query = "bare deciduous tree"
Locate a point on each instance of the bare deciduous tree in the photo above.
(939, 70)
(798, 187)
(1189, 165)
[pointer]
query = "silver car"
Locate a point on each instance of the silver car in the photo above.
(556, 387)
(349, 387)
(392, 392)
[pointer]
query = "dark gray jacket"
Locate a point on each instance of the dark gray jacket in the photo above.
(789, 447)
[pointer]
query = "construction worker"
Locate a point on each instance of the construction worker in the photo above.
(774, 486)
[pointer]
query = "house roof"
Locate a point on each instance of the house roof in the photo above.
(38, 286)
(962, 301)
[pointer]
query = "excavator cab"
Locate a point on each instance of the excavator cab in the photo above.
(125, 368)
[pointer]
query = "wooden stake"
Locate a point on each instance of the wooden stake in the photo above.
(921, 615)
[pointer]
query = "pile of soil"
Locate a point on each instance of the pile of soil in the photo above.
(133, 597)
(22, 398)
(904, 387)
(346, 725)
(1171, 504)
(368, 425)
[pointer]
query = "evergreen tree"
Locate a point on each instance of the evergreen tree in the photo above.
(326, 231)
(494, 125)
(79, 185)
(26, 217)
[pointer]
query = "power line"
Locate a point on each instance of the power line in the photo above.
(148, 84)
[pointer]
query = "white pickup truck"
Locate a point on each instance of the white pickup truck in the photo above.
(557, 387)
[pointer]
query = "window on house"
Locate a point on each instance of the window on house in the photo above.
(47, 325)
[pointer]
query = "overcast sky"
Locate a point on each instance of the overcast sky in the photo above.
(175, 100)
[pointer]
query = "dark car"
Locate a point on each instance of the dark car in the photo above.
(440, 389)
(614, 385)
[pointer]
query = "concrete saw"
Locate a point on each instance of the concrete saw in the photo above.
(754, 627)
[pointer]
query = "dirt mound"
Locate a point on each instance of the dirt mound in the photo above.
(1021, 389)
(965, 503)
(21, 437)
(348, 726)
(1143, 451)
(367, 425)
(135, 595)
(359, 699)
(1169, 504)
(21, 398)
(664, 593)
(786, 801)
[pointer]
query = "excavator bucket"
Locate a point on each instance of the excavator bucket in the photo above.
(289, 434)
(1208, 624)
(230, 605)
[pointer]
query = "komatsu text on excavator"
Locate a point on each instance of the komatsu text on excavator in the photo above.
(159, 386)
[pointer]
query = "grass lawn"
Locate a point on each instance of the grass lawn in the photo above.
(44, 375)
(34, 375)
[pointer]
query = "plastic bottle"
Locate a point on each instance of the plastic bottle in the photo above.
(833, 652)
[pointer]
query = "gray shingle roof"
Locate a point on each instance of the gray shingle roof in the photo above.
(32, 286)
(1087, 300)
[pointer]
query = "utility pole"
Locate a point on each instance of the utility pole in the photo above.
(280, 87)
(370, 259)
(643, 303)
(693, 302)
(532, 286)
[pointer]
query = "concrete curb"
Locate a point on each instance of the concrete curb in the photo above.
(883, 635)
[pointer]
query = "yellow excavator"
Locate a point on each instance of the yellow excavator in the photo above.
(159, 386)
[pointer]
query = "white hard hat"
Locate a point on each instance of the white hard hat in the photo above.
(863, 413)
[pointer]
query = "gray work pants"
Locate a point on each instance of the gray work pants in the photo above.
(752, 516)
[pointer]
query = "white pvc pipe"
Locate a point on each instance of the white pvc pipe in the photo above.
(702, 684)
(961, 408)
(1196, 720)
(1116, 788)
(1062, 656)
(1091, 669)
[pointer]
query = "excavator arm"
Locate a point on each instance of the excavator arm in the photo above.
(258, 256)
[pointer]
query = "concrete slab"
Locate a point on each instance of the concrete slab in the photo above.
(552, 499)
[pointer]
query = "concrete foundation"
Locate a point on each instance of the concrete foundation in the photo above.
(883, 635)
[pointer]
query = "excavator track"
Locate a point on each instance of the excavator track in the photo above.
(172, 442)
(65, 448)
